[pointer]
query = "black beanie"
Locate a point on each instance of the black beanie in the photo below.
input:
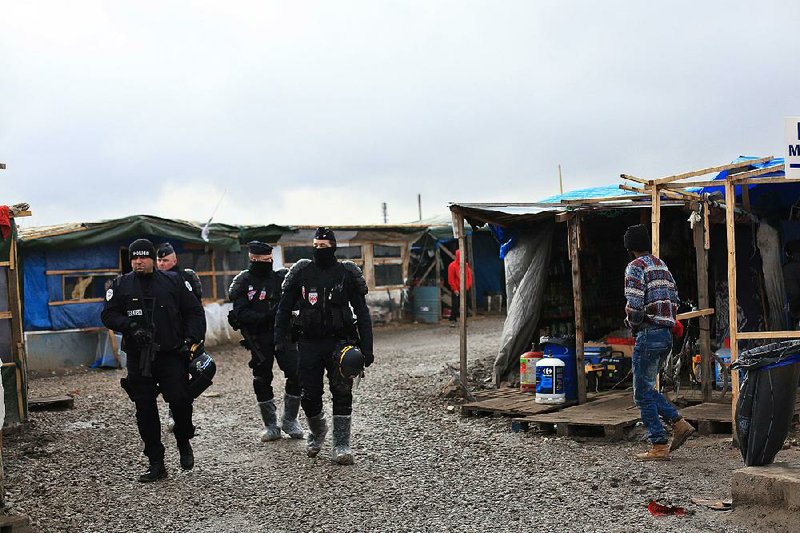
(325, 234)
(165, 249)
(142, 248)
(259, 248)
(637, 239)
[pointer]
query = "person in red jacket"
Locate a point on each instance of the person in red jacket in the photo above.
(454, 280)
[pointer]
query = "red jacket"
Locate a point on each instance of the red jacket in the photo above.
(453, 274)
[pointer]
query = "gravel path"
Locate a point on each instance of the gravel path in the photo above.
(419, 465)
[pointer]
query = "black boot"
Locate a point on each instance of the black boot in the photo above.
(155, 472)
(187, 455)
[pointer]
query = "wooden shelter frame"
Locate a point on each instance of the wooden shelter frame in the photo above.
(654, 192)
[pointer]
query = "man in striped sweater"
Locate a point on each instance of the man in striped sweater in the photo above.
(652, 303)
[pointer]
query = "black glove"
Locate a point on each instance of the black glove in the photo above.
(369, 358)
(142, 336)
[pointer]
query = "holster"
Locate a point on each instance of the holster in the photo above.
(128, 388)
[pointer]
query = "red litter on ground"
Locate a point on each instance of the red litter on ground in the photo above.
(656, 509)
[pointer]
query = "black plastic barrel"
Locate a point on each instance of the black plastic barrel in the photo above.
(767, 394)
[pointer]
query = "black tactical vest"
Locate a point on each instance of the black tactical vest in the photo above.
(324, 304)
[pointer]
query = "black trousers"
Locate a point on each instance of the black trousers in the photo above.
(455, 306)
(262, 369)
(317, 357)
(170, 377)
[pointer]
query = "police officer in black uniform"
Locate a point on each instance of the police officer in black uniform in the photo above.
(325, 290)
(167, 261)
(255, 294)
(160, 320)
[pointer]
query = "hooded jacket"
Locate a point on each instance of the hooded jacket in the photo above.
(454, 274)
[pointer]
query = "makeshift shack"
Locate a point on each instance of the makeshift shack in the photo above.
(67, 269)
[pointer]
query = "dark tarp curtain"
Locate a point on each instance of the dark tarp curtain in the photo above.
(526, 268)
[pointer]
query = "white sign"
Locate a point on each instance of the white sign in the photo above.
(792, 143)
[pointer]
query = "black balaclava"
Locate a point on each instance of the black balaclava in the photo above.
(142, 248)
(637, 239)
(262, 269)
(325, 257)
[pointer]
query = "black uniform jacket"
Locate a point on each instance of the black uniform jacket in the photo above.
(177, 315)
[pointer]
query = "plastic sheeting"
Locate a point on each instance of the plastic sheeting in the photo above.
(526, 275)
(218, 331)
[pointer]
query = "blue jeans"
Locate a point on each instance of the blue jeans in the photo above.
(651, 349)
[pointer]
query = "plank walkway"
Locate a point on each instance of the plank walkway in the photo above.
(606, 416)
(710, 418)
(507, 402)
(51, 403)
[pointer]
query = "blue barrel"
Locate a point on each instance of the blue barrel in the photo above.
(426, 304)
(563, 348)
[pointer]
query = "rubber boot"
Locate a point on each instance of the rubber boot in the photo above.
(271, 431)
(289, 423)
(187, 455)
(341, 452)
(659, 452)
(681, 431)
(154, 472)
(318, 429)
(170, 421)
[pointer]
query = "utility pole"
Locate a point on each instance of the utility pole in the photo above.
(560, 180)
(419, 205)
(385, 214)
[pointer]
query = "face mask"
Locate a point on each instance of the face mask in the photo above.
(324, 257)
(261, 268)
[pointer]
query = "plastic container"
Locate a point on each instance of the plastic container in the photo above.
(426, 304)
(550, 381)
(527, 370)
(563, 349)
(725, 355)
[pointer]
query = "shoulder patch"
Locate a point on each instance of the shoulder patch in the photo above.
(109, 294)
(357, 275)
(294, 272)
(238, 285)
(188, 285)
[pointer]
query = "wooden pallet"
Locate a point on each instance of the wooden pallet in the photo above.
(606, 416)
(711, 418)
(51, 403)
(507, 402)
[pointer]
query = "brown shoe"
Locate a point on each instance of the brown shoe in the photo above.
(659, 452)
(681, 430)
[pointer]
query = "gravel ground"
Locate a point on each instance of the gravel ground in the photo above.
(419, 465)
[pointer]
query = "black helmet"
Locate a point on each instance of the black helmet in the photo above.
(201, 372)
(350, 361)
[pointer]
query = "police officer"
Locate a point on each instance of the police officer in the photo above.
(325, 290)
(159, 318)
(167, 261)
(255, 294)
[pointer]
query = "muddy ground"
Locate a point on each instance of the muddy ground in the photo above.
(419, 466)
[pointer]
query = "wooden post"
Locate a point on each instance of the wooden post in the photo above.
(458, 230)
(655, 221)
(473, 294)
(438, 259)
(733, 324)
(573, 242)
(701, 255)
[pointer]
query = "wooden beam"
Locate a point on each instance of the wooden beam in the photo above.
(447, 252)
(634, 179)
(746, 197)
(458, 229)
(709, 170)
(632, 189)
(703, 300)
(19, 214)
(563, 217)
(573, 240)
(706, 228)
(655, 222)
(601, 200)
(733, 324)
(700, 312)
(764, 181)
(686, 185)
(739, 178)
(765, 335)
(437, 257)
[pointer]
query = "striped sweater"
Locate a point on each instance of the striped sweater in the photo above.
(652, 298)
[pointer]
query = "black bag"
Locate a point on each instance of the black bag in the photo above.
(767, 394)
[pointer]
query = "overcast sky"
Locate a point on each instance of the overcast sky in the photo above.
(317, 112)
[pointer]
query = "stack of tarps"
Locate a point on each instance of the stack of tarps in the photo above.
(766, 402)
(526, 267)
(218, 330)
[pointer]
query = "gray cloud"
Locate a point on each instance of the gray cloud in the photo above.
(108, 109)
